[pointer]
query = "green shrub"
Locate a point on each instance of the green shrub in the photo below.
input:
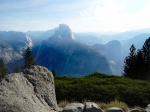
(103, 88)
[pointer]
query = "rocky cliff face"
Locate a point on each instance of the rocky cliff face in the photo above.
(113, 51)
(7, 52)
(19, 41)
(30, 91)
(12, 47)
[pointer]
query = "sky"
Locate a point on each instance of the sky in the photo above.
(80, 15)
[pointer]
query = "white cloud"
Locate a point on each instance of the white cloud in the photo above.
(109, 16)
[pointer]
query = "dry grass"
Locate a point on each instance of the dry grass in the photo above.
(138, 107)
(119, 104)
(103, 106)
(63, 103)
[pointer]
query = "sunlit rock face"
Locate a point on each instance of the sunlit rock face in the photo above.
(64, 32)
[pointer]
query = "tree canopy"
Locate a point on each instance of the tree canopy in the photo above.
(129, 68)
(137, 64)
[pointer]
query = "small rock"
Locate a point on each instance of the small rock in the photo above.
(91, 107)
(114, 109)
(147, 108)
(135, 110)
(73, 107)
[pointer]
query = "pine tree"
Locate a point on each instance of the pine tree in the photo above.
(28, 59)
(54, 73)
(137, 65)
(146, 55)
(3, 69)
(129, 68)
(17, 69)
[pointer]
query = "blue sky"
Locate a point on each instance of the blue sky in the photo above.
(80, 15)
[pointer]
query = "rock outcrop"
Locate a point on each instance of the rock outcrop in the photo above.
(32, 90)
(148, 108)
(91, 107)
(73, 107)
(79, 107)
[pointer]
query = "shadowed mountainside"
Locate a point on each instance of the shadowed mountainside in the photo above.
(66, 56)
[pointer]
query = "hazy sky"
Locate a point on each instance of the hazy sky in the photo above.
(80, 15)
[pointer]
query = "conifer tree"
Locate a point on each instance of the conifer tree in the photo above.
(54, 73)
(129, 68)
(17, 69)
(137, 65)
(3, 69)
(146, 55)
(28, 59)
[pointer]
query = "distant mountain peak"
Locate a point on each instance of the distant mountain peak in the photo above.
(64, 32)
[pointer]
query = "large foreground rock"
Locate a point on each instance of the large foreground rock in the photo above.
(30, 91)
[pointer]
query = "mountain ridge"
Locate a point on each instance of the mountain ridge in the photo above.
(71, 56)
(13, 44)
